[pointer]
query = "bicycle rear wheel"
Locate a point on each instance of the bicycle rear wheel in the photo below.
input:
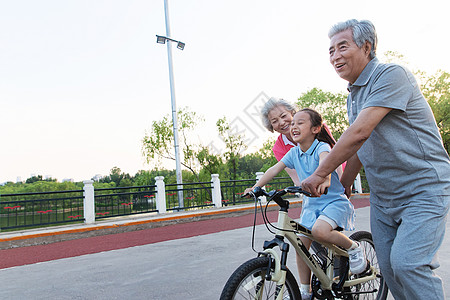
(248, 282)
(365, 239)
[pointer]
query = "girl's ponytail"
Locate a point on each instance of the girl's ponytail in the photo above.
(316, 120)
(325, 135)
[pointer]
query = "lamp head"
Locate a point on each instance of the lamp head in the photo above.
(160, 39)
(180, 45)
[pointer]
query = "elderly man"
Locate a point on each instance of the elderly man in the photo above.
(393, 134)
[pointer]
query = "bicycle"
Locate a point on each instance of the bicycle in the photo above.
(268, 277)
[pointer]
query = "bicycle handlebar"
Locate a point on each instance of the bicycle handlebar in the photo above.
(258, 192)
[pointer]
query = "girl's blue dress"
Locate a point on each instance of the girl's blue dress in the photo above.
(335, 205)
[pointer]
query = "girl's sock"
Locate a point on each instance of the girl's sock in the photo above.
(305, 288)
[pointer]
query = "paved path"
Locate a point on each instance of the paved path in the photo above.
(192, 264)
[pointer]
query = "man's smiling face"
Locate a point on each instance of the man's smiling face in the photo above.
(346, 57)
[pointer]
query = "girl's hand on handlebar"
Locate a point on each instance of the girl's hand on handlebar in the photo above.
(312, 183)
(247, 192)
(323, 187)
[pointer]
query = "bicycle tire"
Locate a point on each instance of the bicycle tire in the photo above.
(248, 278)
(366, 241)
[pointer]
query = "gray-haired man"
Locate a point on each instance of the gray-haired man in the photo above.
(393, 134)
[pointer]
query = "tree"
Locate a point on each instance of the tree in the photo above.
(158, 144)
(210, 163)
(118, 178)
(331, 106)
(234, 144)
(436, 90)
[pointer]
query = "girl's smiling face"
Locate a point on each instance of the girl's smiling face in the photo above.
(302, 131)
(280, 118)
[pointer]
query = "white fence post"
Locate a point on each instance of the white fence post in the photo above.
(160, 194)
(216, 193)
(258, 176)
(357, 184)
(88, 202)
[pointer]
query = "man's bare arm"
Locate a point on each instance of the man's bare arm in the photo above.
(351, 170)
(349, 143)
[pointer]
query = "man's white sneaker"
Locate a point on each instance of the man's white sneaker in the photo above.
(357, 259)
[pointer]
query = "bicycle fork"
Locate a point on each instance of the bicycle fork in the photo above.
(279, 273)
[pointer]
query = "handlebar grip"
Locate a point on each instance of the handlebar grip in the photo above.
(256, 192)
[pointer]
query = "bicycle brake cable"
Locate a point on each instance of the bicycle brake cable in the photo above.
(254, 221)
(273, 226)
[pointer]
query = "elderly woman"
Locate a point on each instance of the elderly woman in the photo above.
(277, 116)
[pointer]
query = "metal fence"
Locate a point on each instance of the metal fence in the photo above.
(50, 208)
(232, 190)
(195, 196)
(122, 201)
(29, 210)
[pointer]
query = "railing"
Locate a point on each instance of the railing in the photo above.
(40, 209)
(232, 190)
(51, 208)
(122, 201)
(195, 195)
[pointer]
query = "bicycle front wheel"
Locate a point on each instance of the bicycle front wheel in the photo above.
(249, 282)
(378, 284)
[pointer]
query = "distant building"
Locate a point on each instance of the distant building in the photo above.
(97, 177)
(68, 180)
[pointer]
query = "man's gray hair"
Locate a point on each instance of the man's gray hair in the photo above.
(362, 30)
(271, 104)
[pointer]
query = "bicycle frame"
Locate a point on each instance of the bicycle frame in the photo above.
(286, 225)
(289, 228)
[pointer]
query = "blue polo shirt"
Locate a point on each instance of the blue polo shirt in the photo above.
(334, 204)
(404, 156)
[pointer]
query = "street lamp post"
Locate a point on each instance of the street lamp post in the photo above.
(180, 45)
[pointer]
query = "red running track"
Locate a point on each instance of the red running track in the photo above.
(34, 254)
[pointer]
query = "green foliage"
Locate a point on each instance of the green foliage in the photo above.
(331, 106)
(38, 178)
(234, 144)
(117, 177)
(39, 186)
(266, 154)
(159, 143)
(211, 163)
(436, 90)
(394, 57)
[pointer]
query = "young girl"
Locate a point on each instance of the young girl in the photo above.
(324, 214)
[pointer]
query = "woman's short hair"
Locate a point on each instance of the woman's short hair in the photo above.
(271, 104)
(362, 30)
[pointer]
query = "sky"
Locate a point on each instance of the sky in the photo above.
(81, 81)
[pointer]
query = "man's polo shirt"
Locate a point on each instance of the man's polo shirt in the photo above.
(404, 155)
